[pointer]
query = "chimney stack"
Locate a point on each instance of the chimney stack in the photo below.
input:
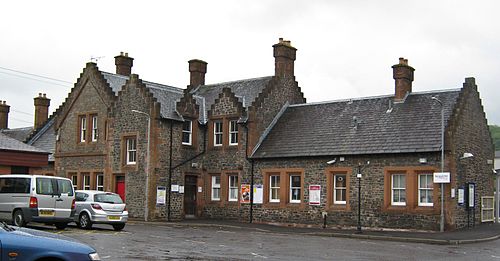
(284, 57)
(403, 76)
(197, 70)
(4, 115)
(124, 64)
(42, 104)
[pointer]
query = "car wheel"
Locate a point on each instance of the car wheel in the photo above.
(84, 221)
(61, 225)
(18, 218)
(118, 227)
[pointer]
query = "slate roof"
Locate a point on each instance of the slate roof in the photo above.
(8, 143)
(246, 90)
(45, 139)
(329, 128)
(20, 134)
(166, 95)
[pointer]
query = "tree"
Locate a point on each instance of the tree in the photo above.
(495, 135)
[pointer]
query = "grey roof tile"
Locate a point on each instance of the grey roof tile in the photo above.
(20, 134)
(412, 126)
(8, 143)
(45, 139)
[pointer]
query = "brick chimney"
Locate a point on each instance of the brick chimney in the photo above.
(284, 57)
(4, 115)
(403, 76)
(42, 104)
(124, 64)
(197, 71)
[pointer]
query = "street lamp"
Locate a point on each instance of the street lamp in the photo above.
(358, 176)
(146, 208)
(441, 223)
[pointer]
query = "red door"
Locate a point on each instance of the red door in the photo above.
(120, 186)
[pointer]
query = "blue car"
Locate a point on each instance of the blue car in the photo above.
(32, 245)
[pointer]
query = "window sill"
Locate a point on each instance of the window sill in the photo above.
(339, 207)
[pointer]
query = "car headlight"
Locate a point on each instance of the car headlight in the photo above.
(94, 256)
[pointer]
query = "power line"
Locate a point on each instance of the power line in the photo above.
(36, 75)
(11, 118)
(30, 78)
(30, 114)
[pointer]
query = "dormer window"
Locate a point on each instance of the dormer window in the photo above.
(233, 132)
(218, 130)
(187, 133)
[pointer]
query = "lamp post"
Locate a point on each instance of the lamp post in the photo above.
(441, 223)
(358, 176)
(146, 208)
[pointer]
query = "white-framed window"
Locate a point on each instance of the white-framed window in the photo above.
(233, 188)
(295, 188)
(218, 133)
(131, 144)
(233, 132)
(274, 188)
(74, 180)
(99, 185)
(94, 128)
(398, 190)
(187, 132)
(425, 189)
(86, 182)
(339, 189)
(83, 128)
(215, 188)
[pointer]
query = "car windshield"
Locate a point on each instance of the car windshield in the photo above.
(108, 198)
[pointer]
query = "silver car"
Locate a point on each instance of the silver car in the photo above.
(98, 207)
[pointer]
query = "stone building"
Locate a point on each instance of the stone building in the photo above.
(254, 150)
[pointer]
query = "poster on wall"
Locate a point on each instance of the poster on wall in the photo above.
(161, 195)
(314, 195)
(258, 194)
(245, 193)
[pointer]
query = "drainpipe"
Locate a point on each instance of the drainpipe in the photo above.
(251, 175)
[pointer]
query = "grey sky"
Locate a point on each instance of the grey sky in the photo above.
(345, 48)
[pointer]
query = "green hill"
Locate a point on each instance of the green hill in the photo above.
(495, 134)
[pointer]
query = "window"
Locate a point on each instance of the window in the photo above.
(398, 191)
(74, 179)
(94, 128)
(64, 187)
(15, 185)
(83, 128)
(99, 182)
(339, 189)
(233, 133)
(187, 132)
(44, 186)
(218, 133)
(215, 188)
(295, 188)
(425, 190)
(86, 182)
(274, 188)
(131, 151)
(233, 188)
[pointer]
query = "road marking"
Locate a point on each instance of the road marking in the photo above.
(257, 255)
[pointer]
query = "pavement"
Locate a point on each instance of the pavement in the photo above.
(478, 233)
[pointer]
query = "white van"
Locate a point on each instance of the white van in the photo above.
(45, 199)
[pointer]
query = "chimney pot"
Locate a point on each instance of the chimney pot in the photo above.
(124, 64)
(403, 76)
(4, 115)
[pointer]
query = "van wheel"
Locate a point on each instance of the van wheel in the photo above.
(84, 221)
(61, 225)
(118, 227)
(18, 218)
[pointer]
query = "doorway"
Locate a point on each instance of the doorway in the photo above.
(190, 185)
(120, 186)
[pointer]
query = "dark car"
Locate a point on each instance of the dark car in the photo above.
(29, 244)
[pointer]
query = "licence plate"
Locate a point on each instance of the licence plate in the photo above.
(46, 212)
(113, 218)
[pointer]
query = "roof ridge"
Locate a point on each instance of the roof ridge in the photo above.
(242, 80)
(373, 97)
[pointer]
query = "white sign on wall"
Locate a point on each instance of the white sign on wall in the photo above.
(314, 195)
(442, 177)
